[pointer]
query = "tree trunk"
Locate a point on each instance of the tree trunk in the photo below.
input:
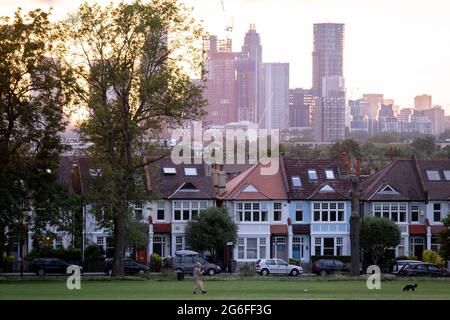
(355, 222)
(119, 243)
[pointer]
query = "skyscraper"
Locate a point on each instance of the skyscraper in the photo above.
(330, 116)
(301, 102)
(220, 87)
(422, 102)
(274, 96)
(374, 100)
(330, 110)
(248, 64)
(437, 117)
(328, 53)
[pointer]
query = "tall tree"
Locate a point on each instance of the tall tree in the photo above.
(355, 226)
(32, 99)
(130, 62)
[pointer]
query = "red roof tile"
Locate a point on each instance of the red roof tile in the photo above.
(269, 187)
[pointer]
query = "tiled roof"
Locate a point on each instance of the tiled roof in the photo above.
(408, 177)
(171, 185)
(268, 186)
(162, 228)
(437, 190)
(418, 229)
(311, 189)
(301, 229)
(438, 229)
(278, 229)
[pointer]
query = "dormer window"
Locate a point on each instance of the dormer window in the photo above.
(329, 174)
(312, 174)
(190, 171)
(433, 175)
(169, 171)
(296, 182)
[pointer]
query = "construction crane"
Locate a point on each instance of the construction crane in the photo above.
(229, 27)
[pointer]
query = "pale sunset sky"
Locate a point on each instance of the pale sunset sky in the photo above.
(400, 48)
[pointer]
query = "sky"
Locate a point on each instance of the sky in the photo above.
(400, 48)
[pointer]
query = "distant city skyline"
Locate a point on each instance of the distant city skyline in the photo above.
(395, 48)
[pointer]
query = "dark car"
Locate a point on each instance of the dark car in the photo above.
(422, 270)
(130, 267)
(43, 266)
(185, 263)
(325, 267)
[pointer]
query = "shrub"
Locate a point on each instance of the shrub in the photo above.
(167, 263)
(246, 271)
(294, 261)
(433, 257)
(155, 262)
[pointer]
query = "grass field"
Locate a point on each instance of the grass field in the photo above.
(257, 288)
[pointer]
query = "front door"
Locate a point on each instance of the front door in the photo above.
(280, 248)
(417, 245)
(158, 245)
(300, 248)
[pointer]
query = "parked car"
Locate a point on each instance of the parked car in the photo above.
(398, 264)
(184, 261)
(42, 266)
(130, 266)
(423, 270)
(277, 266)
(325, 267)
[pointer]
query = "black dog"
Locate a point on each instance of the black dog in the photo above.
(410, 287)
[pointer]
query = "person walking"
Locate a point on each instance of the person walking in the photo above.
(198, 282)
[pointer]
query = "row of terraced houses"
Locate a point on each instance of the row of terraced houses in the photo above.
(300, 212)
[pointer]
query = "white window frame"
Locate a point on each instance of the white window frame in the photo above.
(338, 242)
(240, 209)
(380, 209)
(326, 206)
(437, 211)
(191, 206)
(415, 211)
(261, 247)
(102, 238)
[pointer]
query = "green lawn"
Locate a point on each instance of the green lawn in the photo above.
(273, 288)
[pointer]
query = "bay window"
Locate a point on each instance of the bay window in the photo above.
(329, 246)
(251, 248)
(187, 210)
(390, 210)
(251, 212)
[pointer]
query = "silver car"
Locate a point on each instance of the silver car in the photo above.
(277, 266)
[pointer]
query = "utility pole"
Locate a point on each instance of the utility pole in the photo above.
(355, 225)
